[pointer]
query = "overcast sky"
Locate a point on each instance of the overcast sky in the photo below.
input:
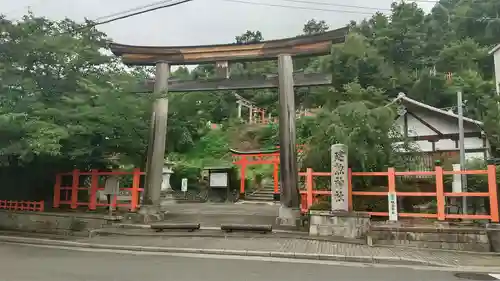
(200, 21)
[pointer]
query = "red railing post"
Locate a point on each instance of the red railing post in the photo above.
(135, 189)
(57, 192)
(492, 188)
(349, 189)
(391, 179)
(74, 188)
(114, 201)
(242, 176)
(94, 182)
(41, 206)
(276, 178)
(391, 189)
(309, 187)
(440, 200)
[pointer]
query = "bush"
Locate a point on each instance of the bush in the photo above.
(186, 170)
(321, 206)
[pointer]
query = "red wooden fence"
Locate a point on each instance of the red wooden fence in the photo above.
(308, 196)
(68, 195)
(35, 206)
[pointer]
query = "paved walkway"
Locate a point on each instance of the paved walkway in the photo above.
(298, 247)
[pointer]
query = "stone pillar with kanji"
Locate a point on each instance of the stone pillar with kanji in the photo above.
(339, 221)
(339, 180)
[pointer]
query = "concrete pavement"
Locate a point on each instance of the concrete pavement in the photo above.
(21, 262)
(311, 249)
(277, 247)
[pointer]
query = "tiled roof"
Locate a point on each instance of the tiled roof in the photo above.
(403, 98)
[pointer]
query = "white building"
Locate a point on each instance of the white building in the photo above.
(496, 59)
(435, 131)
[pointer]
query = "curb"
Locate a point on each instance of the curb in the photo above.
(217, 233)
(290, 255)
(402, 247)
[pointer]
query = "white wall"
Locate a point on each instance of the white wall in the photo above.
(496, 59)
(445, 126)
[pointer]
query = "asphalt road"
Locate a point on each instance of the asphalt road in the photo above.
(22, 263)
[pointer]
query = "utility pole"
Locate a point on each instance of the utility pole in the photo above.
(158, 137)
(462, 148)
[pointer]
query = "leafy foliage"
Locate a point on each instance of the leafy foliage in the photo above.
(65, 104)
(61, 97)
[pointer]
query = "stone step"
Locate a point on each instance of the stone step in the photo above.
(253, 198)
(260, 195)
(271, 189)
(219, 219)
(191, 200)
(265, 190)
(270, 194)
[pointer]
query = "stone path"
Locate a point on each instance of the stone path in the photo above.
(217, 214)
(218, 209)
(309, 247)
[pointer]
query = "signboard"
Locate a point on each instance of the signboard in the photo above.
(393, 206)
(218, 180)
(456, 185)
(124, 195)
(184, 185)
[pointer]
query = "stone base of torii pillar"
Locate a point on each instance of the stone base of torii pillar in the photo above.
(288, 217)
(149, 213)
(156, 212)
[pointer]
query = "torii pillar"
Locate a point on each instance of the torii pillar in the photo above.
(150, 210)
(239, 109)
(289, 212)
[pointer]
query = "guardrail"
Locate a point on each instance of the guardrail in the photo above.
(70, 195)
(12, 205)
(309, 195)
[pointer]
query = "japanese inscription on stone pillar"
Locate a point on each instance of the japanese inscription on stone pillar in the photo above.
(339, 184)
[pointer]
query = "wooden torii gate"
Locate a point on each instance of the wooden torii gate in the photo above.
(261, 157)
(283, 50)
(252, 109)
(244, 159)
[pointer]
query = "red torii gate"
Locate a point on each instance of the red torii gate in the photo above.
(259, 157)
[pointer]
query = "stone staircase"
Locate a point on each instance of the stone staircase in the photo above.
(265, 194)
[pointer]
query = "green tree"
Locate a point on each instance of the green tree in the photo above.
(57, 85)
(249, 37)
(64, 104)
(313, 26)
(358, 118)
